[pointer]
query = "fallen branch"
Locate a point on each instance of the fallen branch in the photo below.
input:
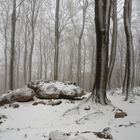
(127, 125)
(78, 106)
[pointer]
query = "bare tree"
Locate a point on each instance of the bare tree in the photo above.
(45, 60)
(129, 70)
(57, 36)
(71, 55)
(12, 53)
(26, 40)
(25, 51)
(114, 41)
(5, 20)
(102, 23)
(84, 64)
(40, 46)
(84, 8)
(35, 4)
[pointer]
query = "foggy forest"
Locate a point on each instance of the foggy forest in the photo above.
(69, 69)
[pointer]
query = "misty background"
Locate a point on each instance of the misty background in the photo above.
(70, 24)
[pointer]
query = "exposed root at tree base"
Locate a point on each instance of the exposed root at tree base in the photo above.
(87, 104)
(86, 116)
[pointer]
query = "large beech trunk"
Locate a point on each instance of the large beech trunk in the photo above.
(102, 23)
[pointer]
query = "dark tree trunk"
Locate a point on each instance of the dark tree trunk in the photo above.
(45, 62)
(40, 45)
(57, 36)
(31, 54)
(25, 56)
(129, 80)
(5, 52)
(18, 64)
(102, 23)
(114, 41)
(12, 52)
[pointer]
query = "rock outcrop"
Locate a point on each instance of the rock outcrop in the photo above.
(57, 90)
(19, 95)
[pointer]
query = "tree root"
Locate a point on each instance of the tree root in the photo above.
(91, 100)
(127, 125)
(78, 121)
(77, 107)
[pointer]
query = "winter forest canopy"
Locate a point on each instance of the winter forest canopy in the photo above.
(62, 40)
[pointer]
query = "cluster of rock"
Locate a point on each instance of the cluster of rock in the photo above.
(57, 135)
(43, 90)
(19, 95)
(2, 118)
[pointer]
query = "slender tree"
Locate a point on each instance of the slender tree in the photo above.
(129, 70)
(41, 57)
(45, 49)
(25, 51)
(26, 40)
(12, 52)
(5, 20)
(84, 64)
(35, 4)
(57, 37)
(84, 9)
(114, 41)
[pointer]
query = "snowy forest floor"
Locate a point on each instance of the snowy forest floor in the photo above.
(30, 122)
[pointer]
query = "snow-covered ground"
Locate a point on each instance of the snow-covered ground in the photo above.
(30, 122)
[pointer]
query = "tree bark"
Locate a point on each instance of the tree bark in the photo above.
(31, 50)
(25, 55)
(57, 36)
(130, 49)
(40, 44)
(102, 23)
(5, 53)
(91, 75)
(12, 52)
(85, 5)
(114, 42)
(5, 49)
(45, 62)
(71, 61)
(18, 63)
(34, 15)
(84, 64)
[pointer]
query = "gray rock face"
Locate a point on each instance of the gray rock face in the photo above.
(19, 95)
(43, 90)
(57, 90)
(3, 101)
